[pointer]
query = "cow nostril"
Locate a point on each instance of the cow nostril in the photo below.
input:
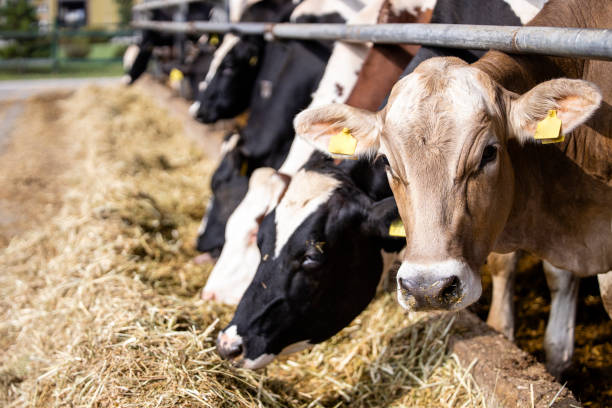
(449, 292)
(233, 351)
(229, 351)
(404, 284)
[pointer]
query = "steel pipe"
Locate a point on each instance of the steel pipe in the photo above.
(556, 41)
(155, 4)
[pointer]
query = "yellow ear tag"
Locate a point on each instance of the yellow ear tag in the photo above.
(396, 229)
(549, 129)
(342, 145)
(175, 75)
(244, 168)
(214, 40)
(253, 61)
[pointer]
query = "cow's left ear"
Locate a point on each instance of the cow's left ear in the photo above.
(574, 100)
(380, 216)
(318, 125)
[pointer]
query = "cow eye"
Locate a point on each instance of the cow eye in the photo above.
(488, 155)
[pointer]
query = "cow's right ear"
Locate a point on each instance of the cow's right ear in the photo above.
(318, 125)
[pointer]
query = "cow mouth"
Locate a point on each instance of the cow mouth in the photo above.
(451, 298)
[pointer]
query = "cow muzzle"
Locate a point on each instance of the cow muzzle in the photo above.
(229, 344)
(447, 285)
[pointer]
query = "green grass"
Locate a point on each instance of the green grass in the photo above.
(65, 70)
(99, 51)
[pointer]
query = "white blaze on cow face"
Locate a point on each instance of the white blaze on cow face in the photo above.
(240, 256)
(229, 42)
(445, 133)
(306, 192)
(194, 108)
(130, 56)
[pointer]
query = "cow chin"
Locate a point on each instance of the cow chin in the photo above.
(265, 359)
(448, 285)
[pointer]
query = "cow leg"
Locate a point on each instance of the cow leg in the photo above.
(559, 337)
(605, 288)
(501, 313)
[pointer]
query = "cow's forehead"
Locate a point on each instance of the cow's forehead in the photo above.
(229, 42)
(433, 113)
(305, 194)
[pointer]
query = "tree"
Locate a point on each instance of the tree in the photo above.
(18, 15)
(125, 11)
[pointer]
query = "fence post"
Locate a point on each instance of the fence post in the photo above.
(54, 47)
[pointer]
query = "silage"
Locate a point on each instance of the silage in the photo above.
(99, 305)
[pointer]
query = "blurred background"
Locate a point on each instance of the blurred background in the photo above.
(63, 38)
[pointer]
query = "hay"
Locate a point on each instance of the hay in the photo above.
(99, 305)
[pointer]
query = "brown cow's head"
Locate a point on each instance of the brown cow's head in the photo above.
(445, 132)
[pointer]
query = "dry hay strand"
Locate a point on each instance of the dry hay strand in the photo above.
(99, 306)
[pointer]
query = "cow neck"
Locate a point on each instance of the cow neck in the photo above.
(563, 190)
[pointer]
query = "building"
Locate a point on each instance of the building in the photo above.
(78, 13)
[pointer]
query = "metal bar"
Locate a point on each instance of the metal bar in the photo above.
(155, 4)
(556, 41)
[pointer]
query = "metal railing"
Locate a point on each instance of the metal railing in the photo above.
(56, 47)
(555, 41)
(155, 4)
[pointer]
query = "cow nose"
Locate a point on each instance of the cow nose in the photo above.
(229, 348)
(438, 294)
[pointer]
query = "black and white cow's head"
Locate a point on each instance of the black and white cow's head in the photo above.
(226, 89)
(137, 56)
(320, 265)
(229, 185)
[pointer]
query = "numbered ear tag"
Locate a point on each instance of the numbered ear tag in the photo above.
(214, 40)
(549, 129)
(396, 229)
(342, 145)
(175, 75)
(253, 60)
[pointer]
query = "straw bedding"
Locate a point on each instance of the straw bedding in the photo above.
(99, 302)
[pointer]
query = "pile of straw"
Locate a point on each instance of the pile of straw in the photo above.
(99, 304)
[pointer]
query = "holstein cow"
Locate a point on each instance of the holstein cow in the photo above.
(137, 56)
(321, 246)
(226, 90)
(232, 274)
(469, 178)
(294, 221)
(289, 74)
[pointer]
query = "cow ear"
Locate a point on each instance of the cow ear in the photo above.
(380, 216)
(318, 125)
(574, 101)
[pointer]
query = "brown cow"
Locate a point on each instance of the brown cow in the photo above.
(468, 177)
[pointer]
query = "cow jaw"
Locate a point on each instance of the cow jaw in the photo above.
(231, 346)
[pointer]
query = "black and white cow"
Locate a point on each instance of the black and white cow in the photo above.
(226, 90)
(320, 246)
(137, 56)
(232, 274)
(289, 74)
